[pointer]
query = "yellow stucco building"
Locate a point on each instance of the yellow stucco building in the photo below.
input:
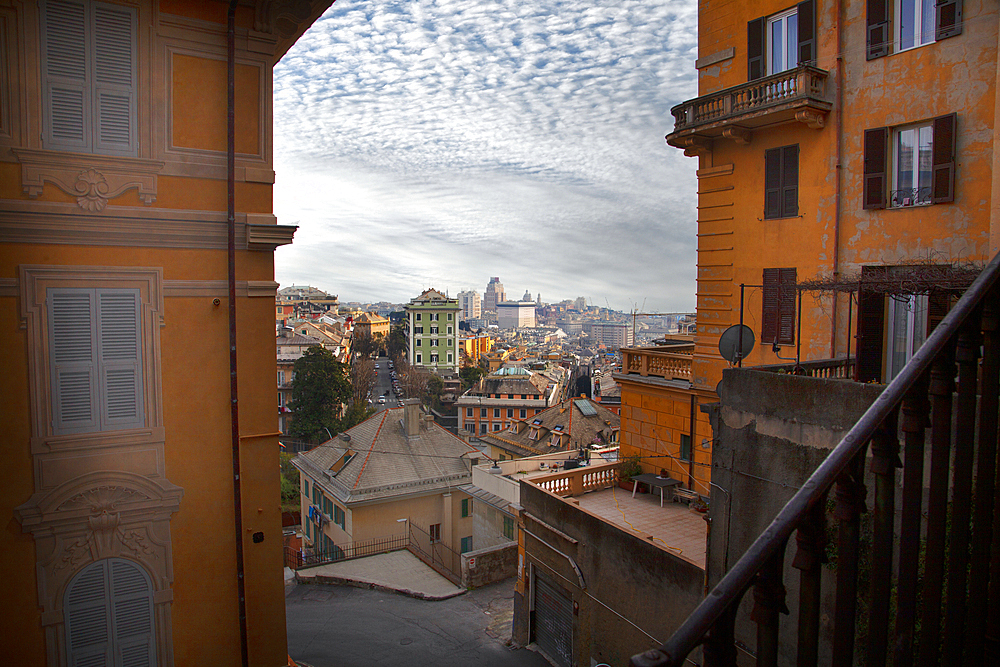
(846, 180)
(119, 440)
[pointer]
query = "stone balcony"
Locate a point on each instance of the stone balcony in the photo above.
(670, 363)
(800, 94)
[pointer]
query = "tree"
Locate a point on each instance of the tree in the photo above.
(289, 483)
(432, 394)
(470, 376)
(320, 390)
(395, 343)
(362, 379)
(363, 343)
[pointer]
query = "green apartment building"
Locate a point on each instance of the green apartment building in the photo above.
(432, 332)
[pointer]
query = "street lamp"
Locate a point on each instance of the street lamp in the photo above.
(328, 432)
(406, 534)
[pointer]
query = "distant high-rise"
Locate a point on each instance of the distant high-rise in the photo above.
(494, 294)
(472, 307)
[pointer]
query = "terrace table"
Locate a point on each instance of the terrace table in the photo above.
(652, 480)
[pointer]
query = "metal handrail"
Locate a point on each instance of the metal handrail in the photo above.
(735, 582)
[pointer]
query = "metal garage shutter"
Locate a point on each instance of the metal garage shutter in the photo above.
(553, 622)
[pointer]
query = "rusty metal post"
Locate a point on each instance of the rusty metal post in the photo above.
(885, 460)
(850, 505)
(811, 540)
(768, 604)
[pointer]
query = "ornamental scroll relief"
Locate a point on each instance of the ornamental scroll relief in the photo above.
(99, 179)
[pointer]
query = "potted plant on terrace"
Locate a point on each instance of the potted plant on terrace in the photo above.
(629, 468)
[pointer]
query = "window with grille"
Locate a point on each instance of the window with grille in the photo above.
(88, 64)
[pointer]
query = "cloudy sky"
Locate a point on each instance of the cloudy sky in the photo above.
(436, 143)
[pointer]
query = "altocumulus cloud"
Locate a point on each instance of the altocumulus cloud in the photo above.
(437, 143)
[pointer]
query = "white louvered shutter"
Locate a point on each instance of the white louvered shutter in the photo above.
(67, 101)
(119, 346)
(72, 338)
(114, 79)
(132, 612)
(88, 618)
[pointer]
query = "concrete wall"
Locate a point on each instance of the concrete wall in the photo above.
(488, 566)
(627, 581)
(772, 431)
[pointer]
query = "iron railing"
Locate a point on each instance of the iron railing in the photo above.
(934, 580)
(298, 558)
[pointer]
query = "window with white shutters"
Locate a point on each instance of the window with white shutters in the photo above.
(109, 616)
(89, 76)
(96, 359)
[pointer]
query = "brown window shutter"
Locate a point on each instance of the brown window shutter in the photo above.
(938, 305)
(756, 39)
(871, 316)
(786, 308)
(770, 306)
(943, 175)
(807, 32)
(948, 19)
(772, 183)
(790, 181)
(879, 39)
(876, 149)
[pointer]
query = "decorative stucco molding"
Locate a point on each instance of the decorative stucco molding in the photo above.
(92, 179)
(269, 237)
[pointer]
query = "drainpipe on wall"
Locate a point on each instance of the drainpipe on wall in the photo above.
(839, 170)
(233, 384)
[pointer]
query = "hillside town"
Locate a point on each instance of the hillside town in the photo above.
(800, 468)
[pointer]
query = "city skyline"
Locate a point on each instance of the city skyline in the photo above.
(428, 143)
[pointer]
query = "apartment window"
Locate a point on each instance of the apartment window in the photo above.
(466, 544)
(468, 412)
(466, 508)
(482, 413)
(418, 358)
(910, 165)
(781, 41)
(497, 426)
(434, 358)
(685, 447)
(778, 305)
(508, 527)
(449, 319)
(451, 358)
(434, 330)
(434, 341)
(281, 399)
(95, 353)
(524, 413)
(281, 377)
(915, 23)
(435, 532)
(339, 517)
(781, 182)
(89, 72)
(435, 317)
(496, 413)
(510, 413)
(450, 331)
(482, 428)
(418, 330)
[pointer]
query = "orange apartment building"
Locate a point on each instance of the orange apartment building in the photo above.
(845, 188)
(128, 540)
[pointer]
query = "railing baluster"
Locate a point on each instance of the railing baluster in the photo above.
(811, 554)
(967, 356)
(720, 641)
(915, 409)
(850, 495)
(941, 387)
(985, 478)
(885, 460)
(768, 604)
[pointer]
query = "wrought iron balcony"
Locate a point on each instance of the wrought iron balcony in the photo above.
(798, 94)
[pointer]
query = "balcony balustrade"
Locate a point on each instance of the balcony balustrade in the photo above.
(797, 94)
(832, 369)
(577, 481)
(654, 362)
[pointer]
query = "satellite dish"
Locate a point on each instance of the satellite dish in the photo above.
(730, 342)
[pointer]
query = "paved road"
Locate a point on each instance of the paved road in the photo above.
(383, 383)
(342, 626)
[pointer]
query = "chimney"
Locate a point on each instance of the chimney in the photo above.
(411, 417)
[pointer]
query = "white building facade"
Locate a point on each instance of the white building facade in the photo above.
(515, 314)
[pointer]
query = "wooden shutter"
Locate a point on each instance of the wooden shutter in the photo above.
(132, 615)
(88, 618)
(66, 87)
(876, 152)
(807, 32)
(120, 380)
(770, 305)
(772, 183)
(879, 39)
(871, 316)
(938, 305)
(72, 339)
(943, 157)
(114, 79)
(756, 40)
(790, 181)
(786, 306)
(948, 21)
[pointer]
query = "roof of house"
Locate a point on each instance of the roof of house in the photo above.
(510, 380)
(577, 421)
(380, 462)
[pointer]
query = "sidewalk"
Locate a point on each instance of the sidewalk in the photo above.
(397, 571)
